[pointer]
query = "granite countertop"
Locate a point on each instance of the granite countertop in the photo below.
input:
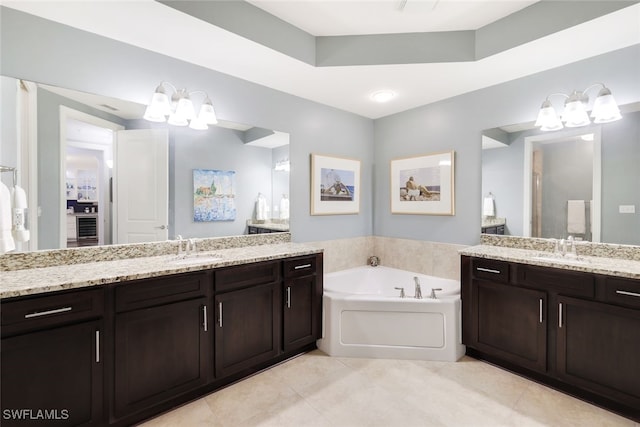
(50, 279)
(591, 264)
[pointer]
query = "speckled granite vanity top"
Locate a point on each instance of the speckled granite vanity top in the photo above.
(612, 260)
(35, 280)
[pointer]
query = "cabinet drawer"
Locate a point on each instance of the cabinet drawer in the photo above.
(51, 310)
(242, 276)
(489, 269)
(151, 292)
(297, 267)
(565, 282)
(623, 292)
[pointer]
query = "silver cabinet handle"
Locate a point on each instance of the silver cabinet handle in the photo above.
(299, 267)
(204, 320)
(220, 311)
(488, 270)
(631, 294)
(97, 346)
(48, 312)
(162, 227)
(541, 310)
(288, 296)
(560, 315)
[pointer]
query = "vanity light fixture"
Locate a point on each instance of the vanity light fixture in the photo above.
(575, 114)
(178, 110)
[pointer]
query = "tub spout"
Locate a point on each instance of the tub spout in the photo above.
(433, 293)
(418, 289)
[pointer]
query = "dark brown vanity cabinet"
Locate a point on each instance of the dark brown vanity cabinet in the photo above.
(52, 360)
(302, 311)
(248, 316)
(163, 340)
(577, 331)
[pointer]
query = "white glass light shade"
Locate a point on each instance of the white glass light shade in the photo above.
(198, 124)
(184, 112)
(159, 107)
(605, 108)
(575, 114)
(207, 114)
(548, 118)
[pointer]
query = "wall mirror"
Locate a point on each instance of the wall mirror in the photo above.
(580, 182)
(62, 143)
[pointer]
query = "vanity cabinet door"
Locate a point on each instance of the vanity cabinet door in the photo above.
(56, 374)
(248, 323)
(598, 348)
(160, 352)
(511, 323)
(302, 311)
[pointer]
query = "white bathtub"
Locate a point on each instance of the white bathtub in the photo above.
(364, 316)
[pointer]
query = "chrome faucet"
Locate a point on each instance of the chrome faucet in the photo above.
(418, 289)
(402, 295)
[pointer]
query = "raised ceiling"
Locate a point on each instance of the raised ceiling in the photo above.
(322, 50)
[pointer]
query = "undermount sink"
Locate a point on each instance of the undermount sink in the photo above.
(204, 258)
(557, 258)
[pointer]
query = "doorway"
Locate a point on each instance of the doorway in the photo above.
(85, 176)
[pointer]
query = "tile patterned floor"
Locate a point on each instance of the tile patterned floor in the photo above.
(317, 390)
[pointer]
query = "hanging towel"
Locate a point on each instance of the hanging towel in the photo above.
(6, 239)
(284, 207)
(261, 208)
(576, 217)
(488, 207)
(20, 233)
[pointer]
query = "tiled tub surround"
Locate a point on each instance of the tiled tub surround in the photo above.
(430, 258)
(79, 275)
(600, 258)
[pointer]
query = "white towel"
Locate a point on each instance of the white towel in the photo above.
(261, 208)
(19, 197)
(6, 239)
(576, 217)
(284, 208)
(488, 207)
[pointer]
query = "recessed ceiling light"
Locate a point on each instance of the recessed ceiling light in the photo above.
(382, 95)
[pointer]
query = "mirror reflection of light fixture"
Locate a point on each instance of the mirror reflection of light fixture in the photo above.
(179, 109)
(282, 165)
(575, 114)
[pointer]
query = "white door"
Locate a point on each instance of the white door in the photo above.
(141, 186)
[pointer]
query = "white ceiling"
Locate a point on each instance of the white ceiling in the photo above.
(346, 87)
(352, 17)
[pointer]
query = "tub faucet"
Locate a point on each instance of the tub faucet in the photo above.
(401, 291)
(433, 293)
(418, 289)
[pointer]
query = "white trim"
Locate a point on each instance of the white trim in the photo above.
(67, 113)
(596, 206)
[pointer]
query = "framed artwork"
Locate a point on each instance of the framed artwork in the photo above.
(423, 185)
(335, 185)
(214, 193)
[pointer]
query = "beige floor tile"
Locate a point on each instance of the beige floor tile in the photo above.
(315, 390)
(545, 406)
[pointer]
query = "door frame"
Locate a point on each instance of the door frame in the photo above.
(65, 114)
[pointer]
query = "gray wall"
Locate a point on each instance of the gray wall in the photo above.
(457, 124)
(67, 57)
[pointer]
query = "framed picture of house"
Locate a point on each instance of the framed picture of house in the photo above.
(423, 185)
(335, 185)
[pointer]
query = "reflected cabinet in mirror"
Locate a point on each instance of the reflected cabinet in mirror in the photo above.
(579, 182)
(94, 172)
